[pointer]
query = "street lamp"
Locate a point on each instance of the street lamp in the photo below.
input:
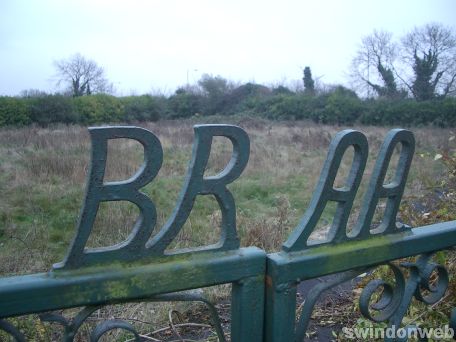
(188, 71)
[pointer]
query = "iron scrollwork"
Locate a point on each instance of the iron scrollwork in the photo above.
(315, 293)
(72, 326)
(427, 282)
(11, 330)
(348, 249)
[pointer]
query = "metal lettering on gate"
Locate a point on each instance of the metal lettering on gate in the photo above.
(347, 252)
(140, 268)
(264, 287)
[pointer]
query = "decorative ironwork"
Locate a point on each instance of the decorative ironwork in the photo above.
(313, 296)
(112, 324)
(12, 331)
(344, 196)
(354, 250)
(391, 296)
(138, 245)
(394, 301)
(142, 269)
(72, 326)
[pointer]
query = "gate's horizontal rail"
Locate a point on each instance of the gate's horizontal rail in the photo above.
(139, 269)
(319, 261)
(351, 252)
(97, 285)
(285, 270)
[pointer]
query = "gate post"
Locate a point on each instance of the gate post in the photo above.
(247, 305)
(280, 313)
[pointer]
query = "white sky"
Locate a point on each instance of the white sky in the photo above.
(151, 45)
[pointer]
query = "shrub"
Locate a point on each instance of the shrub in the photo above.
(51, 109)
(244, 97)
(446, 113)
(215, 90)
(408, 112)
(14, 112)
(184, 104)
(289, 106)
(340, 106)
(282, 90)
(142, 108)
(98, 108)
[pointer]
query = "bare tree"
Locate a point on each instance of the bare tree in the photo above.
(430, 52)
(82, 76)
(372, 66)
(424, 63)
(32, 93)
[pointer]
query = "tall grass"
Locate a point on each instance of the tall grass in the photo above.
(42, 179)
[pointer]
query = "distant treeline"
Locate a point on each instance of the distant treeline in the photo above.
(338, 105)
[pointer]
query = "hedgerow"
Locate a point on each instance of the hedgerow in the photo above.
(340, 106)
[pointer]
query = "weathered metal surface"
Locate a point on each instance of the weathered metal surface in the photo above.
(395, 300)
(71, 326)
(38, 292)
(354, 250)
(140, 268)
(313, 296)
(344, 196)
(139, 245)
(327, 259)
(325, 191)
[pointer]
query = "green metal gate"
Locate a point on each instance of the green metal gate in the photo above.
(349, 253)
(263, 286)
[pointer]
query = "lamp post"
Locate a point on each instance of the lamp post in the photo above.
(188, 71)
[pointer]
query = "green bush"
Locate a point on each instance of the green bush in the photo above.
(288, 106)
(447, 113)
(184, 104)
(142, 108)
(339, 106)
(244, 98)
(14, 112)
(215, 90)
(99, 108)
(342, 107)
(408, 112)
(52, 109)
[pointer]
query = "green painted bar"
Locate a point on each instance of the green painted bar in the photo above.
(263, 301)
(247, 309)
(286, 270)
(64, 289)
(326, 259)
(281, 302)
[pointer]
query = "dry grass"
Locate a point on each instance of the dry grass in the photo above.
(42, 174)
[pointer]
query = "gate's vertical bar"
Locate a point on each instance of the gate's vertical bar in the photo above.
(247, 310)
(280, 313)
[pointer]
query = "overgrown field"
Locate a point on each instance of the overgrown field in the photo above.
(42, 179)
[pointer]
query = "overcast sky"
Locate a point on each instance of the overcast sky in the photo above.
(149, 46)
